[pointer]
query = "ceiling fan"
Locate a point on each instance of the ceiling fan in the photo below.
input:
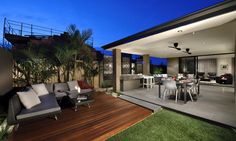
(187, 51)
(175, 46)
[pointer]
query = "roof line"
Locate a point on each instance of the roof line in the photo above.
(218, 9)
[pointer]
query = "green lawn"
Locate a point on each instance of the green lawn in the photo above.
(171, 126)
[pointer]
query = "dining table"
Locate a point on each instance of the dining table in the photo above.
(183, 84)
(180, 84)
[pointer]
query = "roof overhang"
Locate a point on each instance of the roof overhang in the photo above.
(202, 20)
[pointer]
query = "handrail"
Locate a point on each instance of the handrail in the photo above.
(26, 30)
(20, 28)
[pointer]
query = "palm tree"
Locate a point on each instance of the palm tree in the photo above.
(64, 56)
(79, 41)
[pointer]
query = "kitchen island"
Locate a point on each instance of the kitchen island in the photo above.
(130, 81)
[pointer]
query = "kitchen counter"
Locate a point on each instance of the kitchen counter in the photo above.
(130, 81)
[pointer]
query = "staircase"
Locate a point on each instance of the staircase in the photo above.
(145, 104)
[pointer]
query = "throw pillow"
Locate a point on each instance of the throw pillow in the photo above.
(40, 89)
(29, 98)
(73, 85)
(84, 85)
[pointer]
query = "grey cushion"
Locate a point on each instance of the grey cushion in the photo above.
(83, 91)
(49, 87)
(60, 94)
(47, 106)
(61, 87)
(74, 94)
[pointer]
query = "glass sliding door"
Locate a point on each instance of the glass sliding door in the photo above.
(188, 65)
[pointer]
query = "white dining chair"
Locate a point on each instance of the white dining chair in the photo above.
(170, 85)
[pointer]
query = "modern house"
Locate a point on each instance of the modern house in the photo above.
(202, 43)
(50, 86)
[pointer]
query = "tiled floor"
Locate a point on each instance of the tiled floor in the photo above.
(214, 103)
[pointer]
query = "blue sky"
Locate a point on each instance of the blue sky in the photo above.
(110, 20)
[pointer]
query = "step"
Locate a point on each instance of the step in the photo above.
(145, 104)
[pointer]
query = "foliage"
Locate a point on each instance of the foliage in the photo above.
(33, 63)
(80, 42)
(170, 126)
(158, 70)
(5, 129)
(40, 61)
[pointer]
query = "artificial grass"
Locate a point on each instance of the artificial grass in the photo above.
(171, 126)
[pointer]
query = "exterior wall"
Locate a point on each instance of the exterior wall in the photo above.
(173, 66)
(146, 64)
(6, 63)
(224, 61)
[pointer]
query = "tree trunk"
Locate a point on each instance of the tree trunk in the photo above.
(75, 67)
(68, 73)
(27, 77)
(58, 75)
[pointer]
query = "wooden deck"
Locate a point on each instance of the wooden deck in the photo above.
(106, 117)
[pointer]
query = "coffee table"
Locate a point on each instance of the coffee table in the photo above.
(77, 103)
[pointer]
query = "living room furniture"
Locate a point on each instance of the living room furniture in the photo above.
(211, 75)
(48, 107)
(60, 90)
(17, 113)
(64, 90)
(200, 75)
(76, 101)
(225, 79)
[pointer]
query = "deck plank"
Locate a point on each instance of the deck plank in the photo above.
(106, 117)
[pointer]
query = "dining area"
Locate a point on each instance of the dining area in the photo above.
(184, 94)
(179, 87)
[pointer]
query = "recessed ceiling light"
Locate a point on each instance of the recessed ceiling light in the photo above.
(180, 31)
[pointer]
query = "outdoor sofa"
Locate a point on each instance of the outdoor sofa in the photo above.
(48, 107)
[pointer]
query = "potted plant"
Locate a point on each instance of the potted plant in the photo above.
(5, 130)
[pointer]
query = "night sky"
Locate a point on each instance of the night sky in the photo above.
(110, 20)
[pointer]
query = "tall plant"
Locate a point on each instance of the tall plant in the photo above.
(79, 41)
(33, 64)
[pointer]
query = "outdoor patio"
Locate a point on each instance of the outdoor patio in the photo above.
(106, 117)
(214, 103)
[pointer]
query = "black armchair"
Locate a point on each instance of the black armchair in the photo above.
(212, 75)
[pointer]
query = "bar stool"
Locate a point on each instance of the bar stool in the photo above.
(148, 81)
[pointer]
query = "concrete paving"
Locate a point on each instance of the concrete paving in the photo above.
(214, 103)
(145, 104)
